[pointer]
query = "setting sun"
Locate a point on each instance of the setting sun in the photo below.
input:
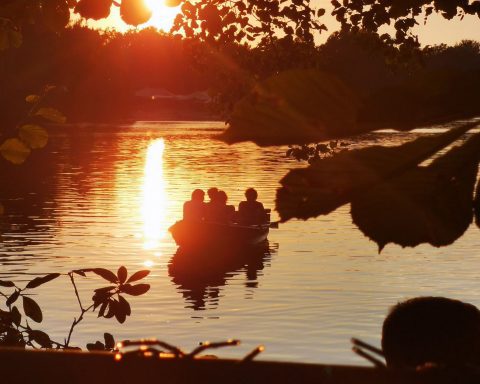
(162, 15)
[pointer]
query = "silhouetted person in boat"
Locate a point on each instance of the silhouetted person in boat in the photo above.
(435, 330)
(194, 210)
(218, 211)
(251, 211)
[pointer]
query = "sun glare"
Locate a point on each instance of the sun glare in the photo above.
(162, 16)
(154, 207)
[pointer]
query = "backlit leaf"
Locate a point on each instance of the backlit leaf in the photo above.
(51, 114)
(135, 12)
(14, 150)
(37, 281)
(32, 99)
(32, 309)
(33, 135)
(138, 276)
(106, 274)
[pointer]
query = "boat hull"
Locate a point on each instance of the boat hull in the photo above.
(202, 235)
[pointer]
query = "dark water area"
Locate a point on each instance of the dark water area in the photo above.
(106, 197)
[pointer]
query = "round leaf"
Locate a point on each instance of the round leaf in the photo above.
(33, 135)
(14, 150)
(32, 99)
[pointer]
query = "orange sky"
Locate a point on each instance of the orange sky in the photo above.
(436, 31)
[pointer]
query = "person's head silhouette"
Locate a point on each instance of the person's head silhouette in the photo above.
(431, 330)
(212, 193)
(251, 194)
(198, 195)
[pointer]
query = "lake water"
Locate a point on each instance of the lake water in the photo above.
(107, 198)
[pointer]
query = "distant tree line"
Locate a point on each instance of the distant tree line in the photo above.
(101, 70)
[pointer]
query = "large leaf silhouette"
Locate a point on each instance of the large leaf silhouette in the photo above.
(430, 204)
(332, 182)
(297, 106)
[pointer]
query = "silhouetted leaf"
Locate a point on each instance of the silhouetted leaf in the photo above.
(111, 309)
(106, 274)
(94, 9)
(33, 135)
(31, 309)
(36, 282)
(98, 346)
(5, 283)
(103, 290)
(102, 309)
(14, 150)
(80, 272)
(40, 337)
(16, 316)
(295, 107)
(332, 182)
(119, 311)
(430, 204)
(122, 274)
(124, 305)
(135, 290)
(109, 341)
(13, 297)
(138, 276)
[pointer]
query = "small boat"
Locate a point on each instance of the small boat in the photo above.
(210, 235)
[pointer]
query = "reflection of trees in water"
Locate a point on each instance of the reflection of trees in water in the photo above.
(52, 181)
(199, 276)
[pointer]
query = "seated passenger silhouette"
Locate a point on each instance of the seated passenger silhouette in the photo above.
(218, 211)
(251, 211)
(435, 330)
(194, 210)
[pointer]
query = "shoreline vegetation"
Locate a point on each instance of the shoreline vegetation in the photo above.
(105, 76)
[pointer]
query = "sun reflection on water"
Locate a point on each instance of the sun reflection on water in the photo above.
(155, 201)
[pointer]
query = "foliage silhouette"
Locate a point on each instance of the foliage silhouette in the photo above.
(16, 331)
(431, 204)
(371, 15)
(393, 199)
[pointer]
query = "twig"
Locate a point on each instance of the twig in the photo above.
(70, 274)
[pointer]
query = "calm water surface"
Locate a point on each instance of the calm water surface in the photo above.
(106, 199)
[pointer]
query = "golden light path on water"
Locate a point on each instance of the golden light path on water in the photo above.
(154, 198)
